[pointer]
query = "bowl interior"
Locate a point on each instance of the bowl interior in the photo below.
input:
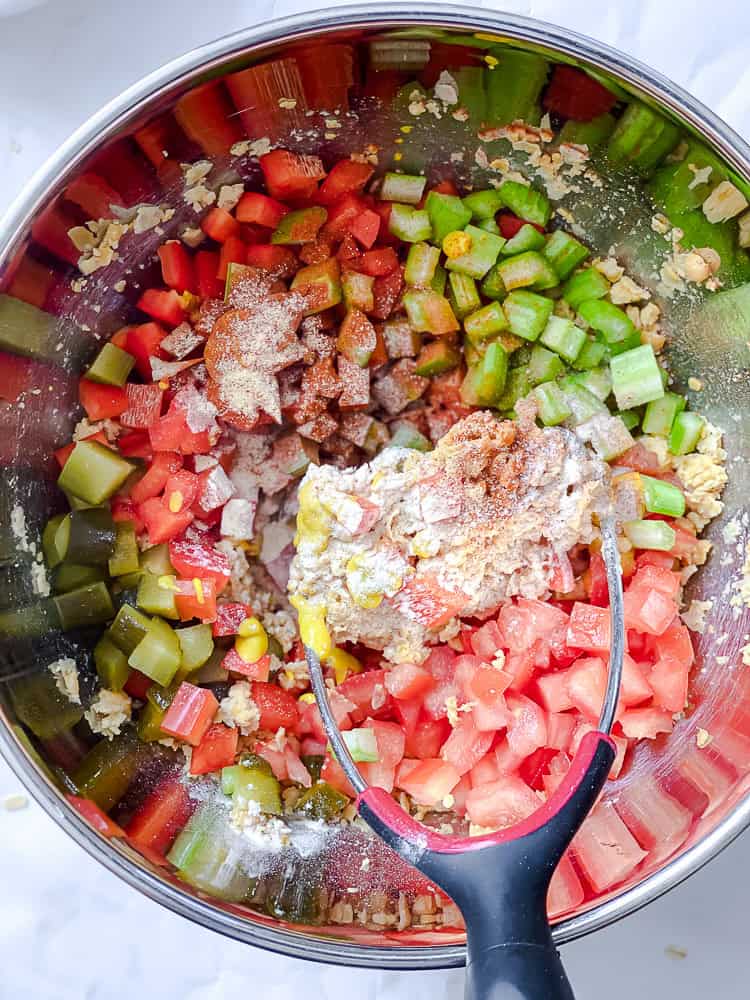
(336, 88)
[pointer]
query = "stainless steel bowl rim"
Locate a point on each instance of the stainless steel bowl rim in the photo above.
(50, 178)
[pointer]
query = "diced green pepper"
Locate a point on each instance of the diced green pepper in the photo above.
(406, 435)
(462, 294)
(656, 535)
(686, 432)
(527, 270)
(661, 497)
(111, 366)
(482, 205)
(111, 664)
(563, 337)
(544, 365)
(527, 313)
(87, 605)
(526, 202)
(128, 628)
(527, 238)
(93, 472)
(552, 404)
(406, 188)
(436, 357)
(158, 653)
(660, 414)
(196, 645)
(564, 252)
(484, 251)
(125, 558)
(300, 226)
(485, 323)
(447, 213)
(584, 286)
(636, 377)
(69, 576)
(156, 597)
(421, 262)
(411, 225)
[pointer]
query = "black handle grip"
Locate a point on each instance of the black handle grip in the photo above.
(516, 972)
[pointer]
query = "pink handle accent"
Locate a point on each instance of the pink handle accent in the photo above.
(391, 813)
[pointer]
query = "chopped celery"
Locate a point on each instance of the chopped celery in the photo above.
(111, 664)
(53, 553)
(254, 784)
(676, 187)
(406, 435)
(564, 252)
(485, 381)
(629, 418)
(405, 188)
(107, 770)
(409, 224)
(617, 329)
(128, 628)
(483, 204)
(300, 226)
(608, 435)
(584, 286)
(158, 654)
(661, 146)
(362, 745)
(124, 558)
(156, 596)
(661, 497)
(111, 366)
(485, 322)
(650, 535)
(484, 251)
(93, 472)
(563, 337)
(156, 560)
(29, 331)
(437, 357)
(447, 213)
(40, 705)
(489, 226)
(196, 645)
(517, 386)
(421, 262)
(527, 270)
(527, 313)
(429, 312)
(591, 355)
(439, 280)
(68, 576)
(596, 380)
(472, 96)
(592, 134)
(526, 202)
(209, 855)
(527, 238)
(583, 404)
(492, 285)
(514, 86)
(400, 340)
(462, 294)
(660, 414)
(636, 130)
(552, 404)
(544, 365)
(686, 432)
(636, 377)
(358, 290)
(87, 605)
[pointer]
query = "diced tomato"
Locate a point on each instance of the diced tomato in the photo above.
(260, 210)
(379, 775)
(272, 258)
(527, 729)
(573, 94)
(144, 406)
(151, 484)
(487, 640)
(501, 803)
(206, 263)
(199, 558)
(651, 558)
(123, 509)
(177, 267)
(659, 578)
(553, 691)
(406, 681)
(278, 708)
(365, 227)
(669, 680)
(648, 610)
(220, 225)
(195, 598)
(560, 726)
(565, 890)
(233, 251)
(367, 692)
(605, 849)
(190, 713)
(135, 444)
(217, 749)
(484, 771)
(171, 432)
(345, 177)
(598, 589)
(137, 684)
(163, 305)
(676, 643)
(589, 628)
(390, 740)
(684, 545)
(535, 766)
(646, 723)
(526, 622)
(95, 816)
(386, 292)
(508, 761)
(658, 822)
(634, 688)
(229, 616)
(407, 712)
(423, 600)
(701, 780)
(378, 263)
(427, 738)
(586, 682)
(429, 781)
(256, 671)
(161, 523)
(466, 745)
(641, 459)
(290, 175)
(160, 817)
(101, 401)
(333, 773)
(143, 342)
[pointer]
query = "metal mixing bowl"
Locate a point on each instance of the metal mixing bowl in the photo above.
(707, 341)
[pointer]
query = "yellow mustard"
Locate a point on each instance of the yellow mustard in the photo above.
(343, 664)
(313, 521)
(312, 626)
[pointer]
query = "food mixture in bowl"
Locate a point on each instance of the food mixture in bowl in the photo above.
(382, 412)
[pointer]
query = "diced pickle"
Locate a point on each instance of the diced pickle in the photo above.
(321, 801)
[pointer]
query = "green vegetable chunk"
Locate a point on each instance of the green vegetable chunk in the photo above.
(300, 226)
(485, 323)
(158, 654)
(484, 251)
(406, 188)
(584, 286)
(196, 646)
(111, 366)
(412, 225)
(686, 432)
(447, 213)
(651, 535)
(526, 202)
(111, 664)
(563, 337)
(527, 270)
(528, 313)
(636, 377)
(564, 252)
(661, 497)
(87, 605)
(93, 472)
(552, 404)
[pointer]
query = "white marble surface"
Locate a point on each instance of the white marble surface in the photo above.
(68, 929)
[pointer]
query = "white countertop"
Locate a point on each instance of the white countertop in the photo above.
(68, 929)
